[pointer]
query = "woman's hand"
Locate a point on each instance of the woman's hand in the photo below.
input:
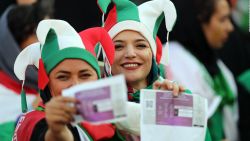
(168, 85)
(59, 113)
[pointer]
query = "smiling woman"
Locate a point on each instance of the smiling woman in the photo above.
(138, 52)
(69, 73)
(133, 58)
(61, 65)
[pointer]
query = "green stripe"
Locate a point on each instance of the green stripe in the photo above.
(157, 24)
(84, 130)
(208, 136)
(215, 124)
(71, 53)
(126, 10)
(39, 108)
(7, 131)
(24, 102)
(244, 79)
(103, 4)
(50, 46)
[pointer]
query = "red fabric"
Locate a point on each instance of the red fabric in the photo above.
(92, 36)
(99, 132)
(111, 19)
(43, 78)
(26, 124)
(88, 45)
(9, 83)
(158, 50)
(130, 92)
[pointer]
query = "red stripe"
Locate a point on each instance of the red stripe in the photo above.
(26, 125)
(9, 83)
(158, 50)
(111, 19)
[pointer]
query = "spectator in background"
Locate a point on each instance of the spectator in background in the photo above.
(5, 3)
(17, 30)
(236, 55)
(202, 27)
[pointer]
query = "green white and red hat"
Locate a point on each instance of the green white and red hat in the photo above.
(144, 19)
(58, 41)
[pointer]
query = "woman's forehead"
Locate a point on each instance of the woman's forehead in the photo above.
(73, 65)
(129, 34)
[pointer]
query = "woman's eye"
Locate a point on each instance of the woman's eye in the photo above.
(86, 75)
(118, 47)
(141, 46)
(62, 77)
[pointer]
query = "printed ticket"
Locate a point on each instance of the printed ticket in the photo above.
(163, 114)
(101, 101)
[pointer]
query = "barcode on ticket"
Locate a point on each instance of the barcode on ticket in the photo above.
(149, 104)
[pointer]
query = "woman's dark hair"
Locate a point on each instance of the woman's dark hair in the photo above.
(188, 30)
(45, 94)
(205, 9)
(23, 19)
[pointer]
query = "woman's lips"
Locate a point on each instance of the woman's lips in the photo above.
(131, 66)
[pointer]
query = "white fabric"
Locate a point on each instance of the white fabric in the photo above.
(150, 11)
(82, 134)
(135, 26)
(189, 72)
(67, 36)
(29, 56)
(10, 103)
(132, 122)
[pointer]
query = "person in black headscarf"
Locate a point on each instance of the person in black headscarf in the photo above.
(236, 55)
(202, 27)
(17, 30)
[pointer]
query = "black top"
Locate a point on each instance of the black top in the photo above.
(41, 127)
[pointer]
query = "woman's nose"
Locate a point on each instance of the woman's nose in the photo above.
(75, 81)
(130, 52)
(230, 26)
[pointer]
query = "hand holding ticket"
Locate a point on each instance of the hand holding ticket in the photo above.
(101, 101)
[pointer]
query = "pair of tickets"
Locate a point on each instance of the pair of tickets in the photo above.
(161, 116)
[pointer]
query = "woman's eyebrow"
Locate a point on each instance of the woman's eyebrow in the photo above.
(63, 71)
(119, 41)
(84, 70)
(140, 40)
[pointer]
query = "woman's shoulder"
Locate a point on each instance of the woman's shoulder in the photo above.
(26, 124)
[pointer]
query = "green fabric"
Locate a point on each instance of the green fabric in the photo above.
(208, 135)
(50, 46)
(157, 24)
(215, 124)
(89, 137)
(187, 91)
(73, 53)
(7, 131)
(52, 56)
(126, 10)
(103, 4)
(223, 89)
(244, 79)
(39, 108)
(162, 70)
(24, 102)
(136, 95)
